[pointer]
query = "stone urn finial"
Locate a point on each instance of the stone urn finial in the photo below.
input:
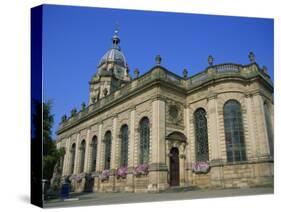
(185, 73)
(73, 112)
(136, 73)
(210, 60)
(265, 70)
(158, 59)
(252, 57)
(63, 118)
(83, 106)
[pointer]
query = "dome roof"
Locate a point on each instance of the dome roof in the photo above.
(113, 55)
(113, 62)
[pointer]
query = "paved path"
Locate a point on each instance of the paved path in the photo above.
(119, 198)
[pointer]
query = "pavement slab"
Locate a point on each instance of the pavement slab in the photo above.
(87, 199)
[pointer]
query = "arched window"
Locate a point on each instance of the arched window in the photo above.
(234, 132)
(144, 140)
(124, 146)
(269, 128)
(94, 152)
(82, 155)
(107, 150)
(61, 159)
(201, 135)
(73, 151)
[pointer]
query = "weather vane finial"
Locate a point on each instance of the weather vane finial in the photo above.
(117, 28)
(115, 38)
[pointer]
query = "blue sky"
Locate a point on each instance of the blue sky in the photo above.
(75, 39)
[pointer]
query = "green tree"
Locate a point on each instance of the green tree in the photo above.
(51, 155)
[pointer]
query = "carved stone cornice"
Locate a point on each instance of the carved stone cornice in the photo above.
(159, 97)
(212, 96)
(248, 95)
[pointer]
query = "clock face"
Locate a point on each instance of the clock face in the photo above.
(174, 111)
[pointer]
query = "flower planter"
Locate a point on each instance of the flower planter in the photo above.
(201, 167)
(122, 172)
(104, 176)
(141, 169)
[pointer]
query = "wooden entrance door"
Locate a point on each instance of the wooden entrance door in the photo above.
(174, 167)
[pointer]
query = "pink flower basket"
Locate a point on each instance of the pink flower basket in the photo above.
(104, 175)
(122, 172)
(141, 169)
(77, 178)
(201, 167)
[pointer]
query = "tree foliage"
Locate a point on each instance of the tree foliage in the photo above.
(51, 154)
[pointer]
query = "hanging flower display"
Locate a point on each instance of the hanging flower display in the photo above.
(78, 177)
(141, 169)
(200, 167)
(122, 172)
(104, 175)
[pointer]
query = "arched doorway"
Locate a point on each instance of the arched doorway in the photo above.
(174, 167)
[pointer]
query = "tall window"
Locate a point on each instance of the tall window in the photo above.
(107, 143)
(124, 146)
(82, 156)
(144, 140)
(73, 150)
(234, 133)
(201, 135)
(269, 128)
(94, 153)
(62, 158)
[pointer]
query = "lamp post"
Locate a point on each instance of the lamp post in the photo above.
(43, 188)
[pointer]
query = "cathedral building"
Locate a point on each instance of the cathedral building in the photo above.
(158, 130)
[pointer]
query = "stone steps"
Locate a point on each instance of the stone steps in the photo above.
(180, 189)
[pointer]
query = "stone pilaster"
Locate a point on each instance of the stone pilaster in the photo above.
(130, 178)
(99, 167)
(272, 115)
(262, 138)
(79, 168)
(271, 111)
(252, 155)
(158, 167)
(215, 147)
(113, 161)
(188, 160)
(87, 153)
(76, 163)
(214, 144)
(99, 150)
(65, 170)
(182, 159)
(90, 156)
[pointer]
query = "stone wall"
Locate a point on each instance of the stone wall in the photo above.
(157, 103)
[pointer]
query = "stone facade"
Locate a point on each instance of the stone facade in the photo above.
(169, 102)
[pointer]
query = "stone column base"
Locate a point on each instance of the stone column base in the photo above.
(157, 187)
(130, 183)
(158, 177)
(96, 184)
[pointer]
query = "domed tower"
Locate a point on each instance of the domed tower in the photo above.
(112, 72)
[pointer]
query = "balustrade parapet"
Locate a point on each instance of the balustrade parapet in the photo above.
(161, 73)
